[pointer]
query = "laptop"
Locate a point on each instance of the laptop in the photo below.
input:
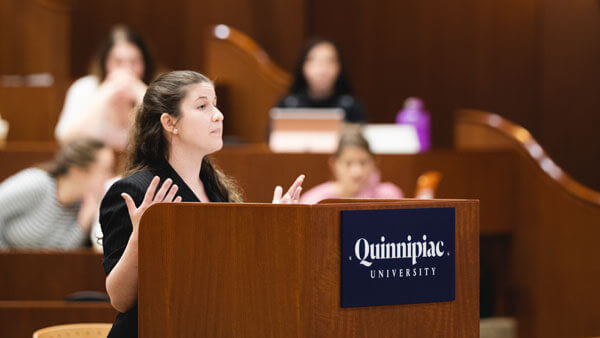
(298, 130)
(392, 138)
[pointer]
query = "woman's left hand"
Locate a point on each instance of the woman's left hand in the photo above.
(292, 196)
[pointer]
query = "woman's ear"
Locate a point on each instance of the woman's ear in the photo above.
(168, 122)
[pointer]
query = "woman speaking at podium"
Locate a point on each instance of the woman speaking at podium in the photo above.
(177, 125)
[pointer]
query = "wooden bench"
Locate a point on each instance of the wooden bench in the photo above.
(21, 318)
(34, 285)
(49, 275)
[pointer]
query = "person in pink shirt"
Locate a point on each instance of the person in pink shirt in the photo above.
(355, 173)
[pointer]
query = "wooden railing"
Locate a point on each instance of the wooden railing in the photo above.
(554, 237)
(242, 70)
(475, 129)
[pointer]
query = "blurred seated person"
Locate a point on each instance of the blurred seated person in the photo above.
(53, 206)
(321, 82)
(101, 105)
(355, 173)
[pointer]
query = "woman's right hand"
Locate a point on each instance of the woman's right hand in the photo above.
(166, 193)
(292, 196)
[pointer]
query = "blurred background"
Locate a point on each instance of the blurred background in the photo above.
(533, 61)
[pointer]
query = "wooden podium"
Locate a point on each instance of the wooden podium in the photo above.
(263, 270)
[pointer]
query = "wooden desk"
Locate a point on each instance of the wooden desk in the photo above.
(49, 275)
(16, 156)
(487, 176)
(19, 319)
(34, 284)
(484, 175)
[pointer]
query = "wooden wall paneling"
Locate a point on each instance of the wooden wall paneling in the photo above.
(177, 29)
(452, 54)
(159, 23)
(277, 26)
(34, 37)
(517, 58)
(569, 100)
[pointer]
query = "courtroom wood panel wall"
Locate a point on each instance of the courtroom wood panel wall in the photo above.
(176, 29)
(35, 37)
(465, 53)
(568, 95)
(534, 61)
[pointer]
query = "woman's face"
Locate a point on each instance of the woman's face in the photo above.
(353, 168)
(126, 56)
(201, 122)
(322, 67)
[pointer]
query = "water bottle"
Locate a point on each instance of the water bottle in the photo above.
(415, 114)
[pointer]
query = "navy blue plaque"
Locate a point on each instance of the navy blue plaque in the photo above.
(399, 256)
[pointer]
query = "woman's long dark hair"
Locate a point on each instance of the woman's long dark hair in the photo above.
(299, 86)
(98, 66)
(149, 148)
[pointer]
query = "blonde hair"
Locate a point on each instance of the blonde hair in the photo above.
(352, 136)
(80, 152)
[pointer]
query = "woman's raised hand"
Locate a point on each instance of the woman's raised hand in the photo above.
(166, 193)
(123, 85)
(292, 196)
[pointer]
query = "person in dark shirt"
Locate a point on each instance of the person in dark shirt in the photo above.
(177, 126)
(321, 82)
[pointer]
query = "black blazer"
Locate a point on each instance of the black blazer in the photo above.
(117, 227)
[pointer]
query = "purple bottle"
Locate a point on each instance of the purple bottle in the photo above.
(414, 114)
